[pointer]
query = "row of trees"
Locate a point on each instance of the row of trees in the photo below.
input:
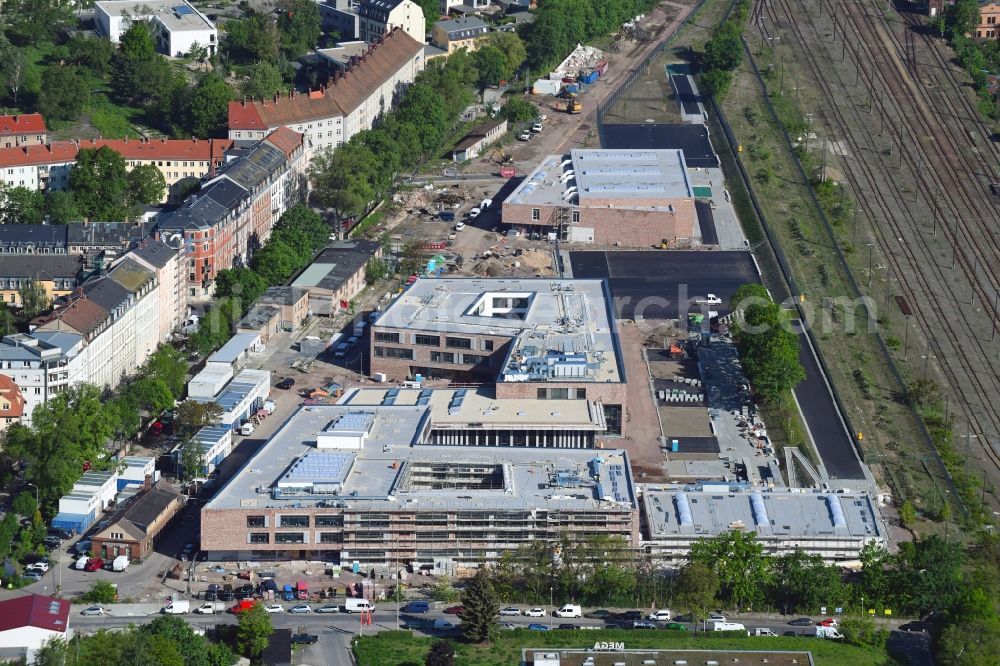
(724, 52)
(74, 428)
(298, 235)
(166, 641)
(768, 347)
(562, 24)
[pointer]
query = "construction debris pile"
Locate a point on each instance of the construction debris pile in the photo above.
(582, 58)
(500, 260)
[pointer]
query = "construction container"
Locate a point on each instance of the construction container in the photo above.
(601, 67)
(589, 78)
(546, 87)
(573, 88)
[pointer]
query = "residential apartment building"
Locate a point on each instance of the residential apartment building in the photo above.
(337, 275)
(349, 102)
(463, 6)
(27, 129)
(177, 25)
(182, 162)
(168, 264)
(11, 402)
(117, 315)
(58, 275)
(460, 33)
(634, 198)
(380, 17)
(989, 17)
(234, 212)
(43, 364)
(341, 16)
(530, 338)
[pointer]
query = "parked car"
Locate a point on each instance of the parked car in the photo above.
(662, 615)
(286, 383)
(62, 534)
(510, 610)
(799, 622)
(41, 565)
(630, 616)
(52, 542)
(33, 575)
(94, 564)
(459, 226)
(644, 624)
(915, 626)
(474, 213)
(274, 608)
(508, 626)
(329, 608)
(566, 626)
(304, 639)
(455, 610)
(341, 350)
(301, 608)
(675, 626)
(535, 612)
(525, 136)
(599, 614)
(534, 626)
(719, 617)
(536, 128)
(828, 622)
(790, 633)
(443, 625)
(93, 610)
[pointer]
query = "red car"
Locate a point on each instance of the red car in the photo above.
(455, 610)
(94, 564)
(828, 622)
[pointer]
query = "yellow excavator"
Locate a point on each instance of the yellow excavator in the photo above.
(573, 105)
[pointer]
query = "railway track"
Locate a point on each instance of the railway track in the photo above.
(936, 166)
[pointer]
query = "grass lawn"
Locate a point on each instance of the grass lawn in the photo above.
(400, 648)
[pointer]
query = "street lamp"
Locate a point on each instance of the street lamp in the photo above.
(550, 607)
(36, 492)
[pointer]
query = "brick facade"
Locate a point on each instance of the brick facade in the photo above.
(493, 349)
(612, 225)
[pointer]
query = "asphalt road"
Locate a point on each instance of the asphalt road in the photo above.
(659, 285)
(833, 442)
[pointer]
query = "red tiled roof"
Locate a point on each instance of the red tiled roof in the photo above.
(80, 314)
(12, 392)
(34, 610)
(286, 140)
(59, 152)
(339, 98)
(29, 123)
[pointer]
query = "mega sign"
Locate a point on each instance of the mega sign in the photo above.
(604, 646)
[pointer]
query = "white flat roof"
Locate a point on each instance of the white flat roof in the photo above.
(176, 15)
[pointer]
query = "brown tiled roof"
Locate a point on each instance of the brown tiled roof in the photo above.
(57, 152)
(80, 314)
(286, 140)
(28, 123)
(11, 391)
(339, 98)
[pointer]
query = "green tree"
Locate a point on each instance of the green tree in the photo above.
(908, 514)
(300, 26)
(53, 652)
(697, 588)
(192, 461)
(21, 205)
(100, 592)
(167, 364)
(37, 21)
(862, 631)
(276, 262)
(873, 585)
(511, 45)
(442, 653)
(17, 70)
(94, 53)
(927, 575)
(961, 18)
(479, 619)
(738, 559)
(251, 39)
(493, 66)
(150, 394)
(431, 11)
(7, 324)
(193, 415)
(969, 643)
(139, 75)
(99, 183)
(263, 81)
(146, 184)
(340, 181)
(254, 631)
(24, 504)
(64, 94)
(715, 82)
(377, 269)
(519, 110)
(210, 104)
(239, 283)
(803, 583)
(60, 207)
(307, 223)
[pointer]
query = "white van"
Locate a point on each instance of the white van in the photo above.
(246, 429)
(729, 626)
(81, 563)
(763, 631)
(358, 606)
(569, 610)
(177, 608)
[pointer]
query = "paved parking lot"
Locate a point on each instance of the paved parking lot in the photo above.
(658, 284)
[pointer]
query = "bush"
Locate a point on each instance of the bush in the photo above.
(101, 592)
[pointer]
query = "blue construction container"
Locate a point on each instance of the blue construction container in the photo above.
(589, 77)
(573, 87)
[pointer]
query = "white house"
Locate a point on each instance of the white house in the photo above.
(380, 17)
(177, 25)
(27, 621)
(103, 484)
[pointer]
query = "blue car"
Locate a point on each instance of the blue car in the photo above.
(534, 626)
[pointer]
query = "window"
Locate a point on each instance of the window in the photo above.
(289, 537)
(293, 521)
(487, 345)
(394, 352)
(331, 537)
(613, 418)
(581, 394)
(428, 340)
(458, 343)
(536, 214)
(442, 357)
(381, 336)
(260, 537)
(329, 521)
(576, 217)
(473, 359)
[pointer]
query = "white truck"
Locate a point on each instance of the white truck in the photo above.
(710, 299)
(120, 563)
(211, 607)
(763, 631)
(729, 626)
(358, 606)
(177, 608)
(827, 632)
(569, 610)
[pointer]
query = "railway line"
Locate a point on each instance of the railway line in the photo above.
(935, 153)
